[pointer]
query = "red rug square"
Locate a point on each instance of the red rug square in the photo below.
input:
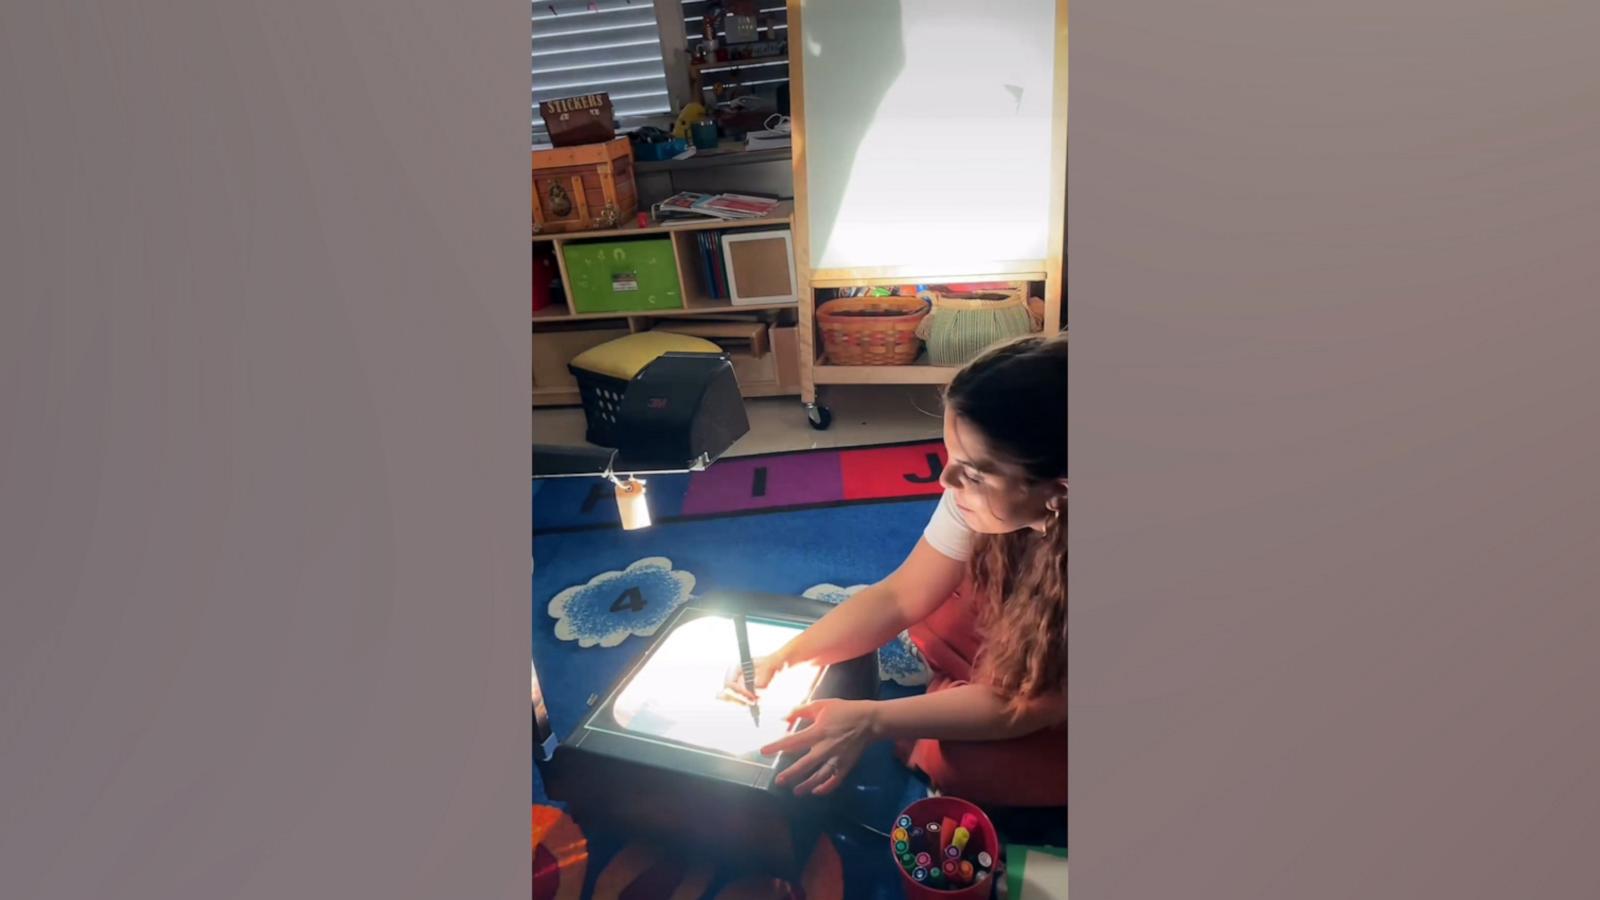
(908, 471)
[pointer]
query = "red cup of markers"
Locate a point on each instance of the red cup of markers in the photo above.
(981, 839)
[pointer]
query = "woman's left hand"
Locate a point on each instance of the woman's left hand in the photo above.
(840, 731)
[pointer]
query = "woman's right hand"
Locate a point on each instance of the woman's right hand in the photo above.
(766, 667)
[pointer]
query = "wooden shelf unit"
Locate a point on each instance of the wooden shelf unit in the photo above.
(697, 302)
(919, 372)
(556, 396)
(697, 306)
(783, 215)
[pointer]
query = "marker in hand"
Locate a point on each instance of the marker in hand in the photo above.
(747, 666)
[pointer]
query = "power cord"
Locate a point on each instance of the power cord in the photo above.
(911, 398)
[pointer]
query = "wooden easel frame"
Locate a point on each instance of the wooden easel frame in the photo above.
(1050, 269)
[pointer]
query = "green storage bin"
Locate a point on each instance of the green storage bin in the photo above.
(638, 275)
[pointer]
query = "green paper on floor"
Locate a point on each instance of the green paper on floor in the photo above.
(1036, 873)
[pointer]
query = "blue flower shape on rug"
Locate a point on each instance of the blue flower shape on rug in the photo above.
(613, 605)
(899, 660)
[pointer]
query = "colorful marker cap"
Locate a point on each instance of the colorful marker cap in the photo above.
(966, 870)
(920, 874)
(901, 847)
(985, 860)
(952, 852)
(951, 870)
(960, 838)
(903, 822)
(936, 877)
(900, 834)
(924, 860)
(909, 861)
(933, 828)
(969, 821)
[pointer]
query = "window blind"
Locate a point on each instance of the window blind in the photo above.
(588, 46)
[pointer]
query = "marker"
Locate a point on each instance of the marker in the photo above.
(936, 877)
(903, 822)
(952, 852)
(951, 870)
(985, 860)
(969, 822)
(900, 834)
(966, 871)
(902, 847)
(947, 828)
(917, 834)
(960, 838)
(920, 874)
(924, 860)
(907, 863)
(933, 828)
(747, 664)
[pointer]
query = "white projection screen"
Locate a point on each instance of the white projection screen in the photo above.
(927, 135)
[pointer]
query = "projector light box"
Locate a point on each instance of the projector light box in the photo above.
(668, 754)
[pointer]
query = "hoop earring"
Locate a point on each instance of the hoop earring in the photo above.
(1054, 522)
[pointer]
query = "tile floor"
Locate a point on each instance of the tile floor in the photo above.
(875, 414)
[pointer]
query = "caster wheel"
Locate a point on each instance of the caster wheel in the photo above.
(820, 417)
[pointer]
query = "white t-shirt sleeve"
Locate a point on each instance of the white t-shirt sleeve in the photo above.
(947, 532)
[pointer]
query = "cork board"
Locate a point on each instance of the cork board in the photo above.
(760, 266)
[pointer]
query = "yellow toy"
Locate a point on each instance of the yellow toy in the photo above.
(691, 114)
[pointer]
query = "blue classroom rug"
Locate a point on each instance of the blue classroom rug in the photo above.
(815, 523)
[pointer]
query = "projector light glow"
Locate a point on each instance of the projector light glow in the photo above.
(679, 693)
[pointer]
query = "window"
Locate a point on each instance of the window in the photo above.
(587, 46)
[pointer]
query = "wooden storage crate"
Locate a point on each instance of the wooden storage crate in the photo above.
(786, 354)
(583, 188)
(754, 370)
(748, 338)
(555, 346)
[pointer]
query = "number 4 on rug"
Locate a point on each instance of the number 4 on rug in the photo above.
(632, 600)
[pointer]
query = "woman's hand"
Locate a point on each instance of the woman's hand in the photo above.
(840, 731)
(766, 667)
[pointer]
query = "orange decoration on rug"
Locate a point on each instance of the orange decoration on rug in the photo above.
(560, 855)
(823, 878)
(644, 872)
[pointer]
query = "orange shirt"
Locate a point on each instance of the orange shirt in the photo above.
(1027, 771)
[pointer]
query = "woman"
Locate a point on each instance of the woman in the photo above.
(984, 593)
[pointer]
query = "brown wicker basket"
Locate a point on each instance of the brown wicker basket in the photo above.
(871, 331)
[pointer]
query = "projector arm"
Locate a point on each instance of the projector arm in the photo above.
(551, 461)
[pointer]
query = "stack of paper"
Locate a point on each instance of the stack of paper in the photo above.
(766, 140)
(718, 206)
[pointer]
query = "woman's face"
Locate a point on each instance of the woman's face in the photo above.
(995, 497)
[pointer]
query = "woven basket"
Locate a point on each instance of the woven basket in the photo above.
(871, 331)
(960, 326)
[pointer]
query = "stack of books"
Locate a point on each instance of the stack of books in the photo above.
(713, 272)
